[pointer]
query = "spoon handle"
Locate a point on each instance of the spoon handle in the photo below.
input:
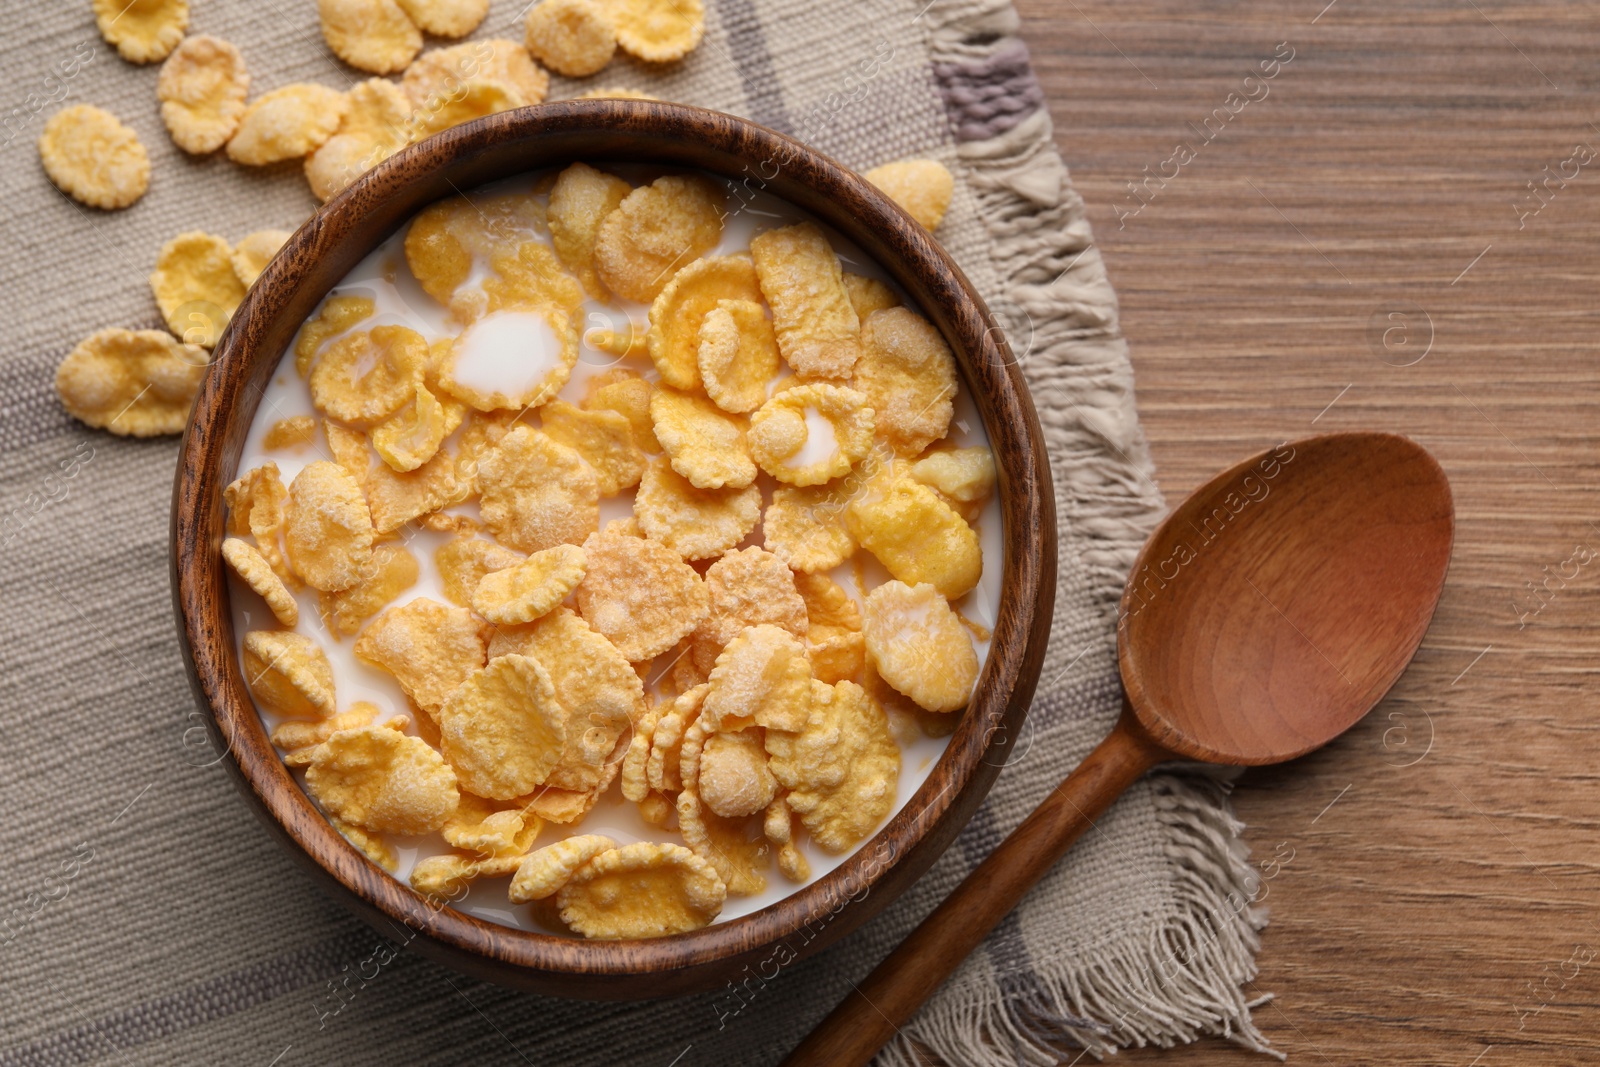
(897, 987)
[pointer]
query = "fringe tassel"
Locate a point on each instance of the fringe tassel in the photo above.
(1136, 988)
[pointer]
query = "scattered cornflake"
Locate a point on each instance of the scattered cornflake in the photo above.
(909, 377)
(286, 124)
(922, 186)
(383, 780)
(288, 673)
(429, 647)
(605, 439)
(695, 523)
(623, 391)
(544, 872)
(299, 738)
(806, 528)
(376, 125)
(917, 536)
(475, 73)
(256, 572)
(640, 594)
(446, 18)
(195, 286)
(919, 646)
(677, 313)
(327, 528)
(658, 31)
(738, 354)
(535, 493)
(641, 890)
(735, 848)
(763, 678)
(252, 254)
(655, 231)
(705, 444)
(531, 587)
(502, 729)
(841, 769)
(202, 89)
(571, 37)
(142, 31)
(781, 431)
(748, 587)
(370, 35)
(818, 332)
(491, 828)
(446, 876)
(256, 503)
(94, 158)
(137, 383)
(580, 200)
(868, 295)
(464, 561)
(392, 571)
(337, 315)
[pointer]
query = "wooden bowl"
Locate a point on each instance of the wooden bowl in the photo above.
(318, 256)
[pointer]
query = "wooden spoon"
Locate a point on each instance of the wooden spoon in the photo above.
(1263, 618)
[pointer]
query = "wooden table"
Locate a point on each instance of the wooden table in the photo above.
(1357, 245)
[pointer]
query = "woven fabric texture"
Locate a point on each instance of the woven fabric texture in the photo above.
(145, 917)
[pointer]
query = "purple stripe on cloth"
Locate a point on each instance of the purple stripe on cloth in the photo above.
(986, 98)
(762, 89)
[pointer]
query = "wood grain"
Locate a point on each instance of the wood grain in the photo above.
(1431, 875)
(319, 255)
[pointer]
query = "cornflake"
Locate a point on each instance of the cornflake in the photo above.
(922, 186)
(137, 383)
(748, 587)
(658, 31)
(738, 355)
(376, 125)
(429, 647)
(666, 742)
(371, 35)
(286, 124)
(917, 536)
(806, 529)
(909, 377)
(142, 31)
(636, 761)
(490, 828)
(655, 231)
(327, 527)
(571, 37)
(195, 286)
(782, 428)
(544, 872)
(816, 324)
(383, 780)
(868, 295)
(964, 477)
(94, 158)
(256, 572)
(605, 439)
(695, 523)
(464, 561)
(530, 588)
(445, 876)
(470, 76)
(763, 678)
(503, 729)
(337, 315)
(624, 392)
(919, 645)
(256, 501)
(292, 432)
(299, 739)
(579, 200)
(288, 674)
(397, 498)
(535, 493)
(734, 780)
(366, 376)
(641, 890)
(391, 572)
(252, 254)
(705, 444)
(412, 436)
(202, 89)
(639, 594)
(841, 770)
(677, 313)
(370, 845)
(833, 640)
(446, 18)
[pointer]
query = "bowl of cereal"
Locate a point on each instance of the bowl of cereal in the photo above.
(614, 543)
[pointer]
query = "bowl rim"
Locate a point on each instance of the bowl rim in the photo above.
(317, 257)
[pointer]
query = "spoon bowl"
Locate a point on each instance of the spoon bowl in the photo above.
(1265, 616)
(1277, 604)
